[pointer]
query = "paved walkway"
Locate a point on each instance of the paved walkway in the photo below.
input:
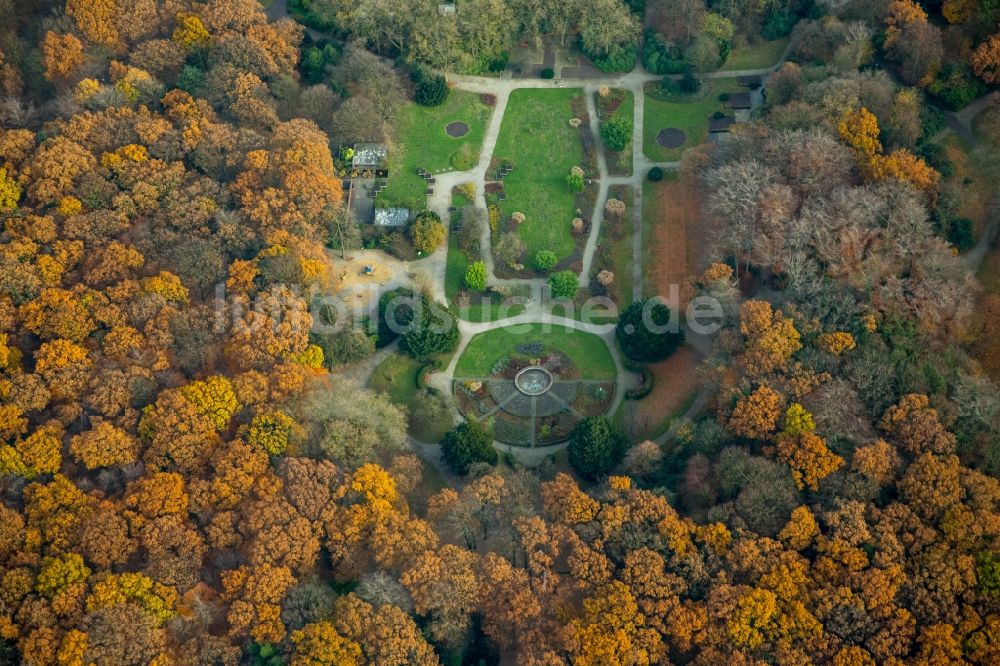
(536, 310)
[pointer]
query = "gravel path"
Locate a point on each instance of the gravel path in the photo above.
(536, 310)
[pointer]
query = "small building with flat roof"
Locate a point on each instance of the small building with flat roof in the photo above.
(723, 124)
(741, 100)
(391, 217)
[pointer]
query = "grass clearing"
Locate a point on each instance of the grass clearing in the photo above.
(975, 180)
(761, 54)
(396, 377)
(420, 142)
(587, 351)
(538, 140)
(690, 116)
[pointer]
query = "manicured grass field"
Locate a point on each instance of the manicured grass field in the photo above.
(689, 116)
(587, 351)
(396, 377)
(420, 142)
(536, 137)
(757, 56)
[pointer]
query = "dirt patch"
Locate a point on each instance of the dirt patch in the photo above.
(668, 266)
(671, 137)
(675, 381)
(359, 280)
(457, 129)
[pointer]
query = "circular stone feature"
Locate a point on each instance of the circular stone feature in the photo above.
(671, 137)
(533, 380)
(457, 129)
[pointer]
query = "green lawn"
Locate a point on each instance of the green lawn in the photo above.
(536, 137)
(420, 142)
(586, 350)
(757, 56)
(689, 116)
(396, 377)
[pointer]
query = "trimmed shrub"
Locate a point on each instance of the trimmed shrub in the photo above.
(636, 338)
(467, 444)
(429, 89)
(548, 73)
(545, 260)
(596, 447)
(564, 284)
(617, 132)
(475, 276)
(434, 331)
(655, 174)
(427, 232)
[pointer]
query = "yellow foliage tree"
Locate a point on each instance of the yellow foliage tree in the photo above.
(156, 600)
(270, 432)
(801, 528)
(215, 398)
(836, 343)
(104, 445)
(798, 420)
(859, 130)
(755, 416)
(899, 14)
(319, 644)
(59, 572)
(986, 60)
(190, 32)
(808, 457)
(753, 618)
(61, 55)
(10, 191)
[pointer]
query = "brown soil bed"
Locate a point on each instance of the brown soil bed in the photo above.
(674, 381)
(669, 257)
(457, 129)
(671, 137)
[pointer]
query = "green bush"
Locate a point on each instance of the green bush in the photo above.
(564, 284)
(427, 232)
(575, 181)
(467, 444)
(621, 59)
(661, 57)
(475, 276)
(429, 89)
(548, 73)
(545, 260)
(638, 341)
(617, 132)
(596, 447)
(655, 175)
(956, 86)
(464, 158)
(433, 331)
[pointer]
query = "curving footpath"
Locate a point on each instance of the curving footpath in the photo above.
(536, 310)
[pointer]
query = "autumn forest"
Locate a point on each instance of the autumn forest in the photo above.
(191, 474)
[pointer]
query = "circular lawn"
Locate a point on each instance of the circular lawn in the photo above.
(533, 383)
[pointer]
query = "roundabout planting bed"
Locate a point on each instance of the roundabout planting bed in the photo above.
(457, 129)
(534, 382)
(671, 137)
